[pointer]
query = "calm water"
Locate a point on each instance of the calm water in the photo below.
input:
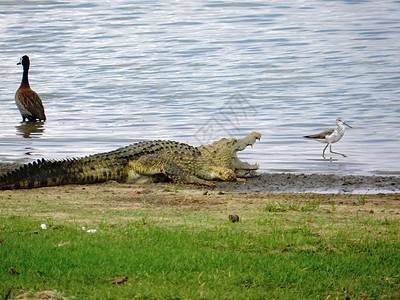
(116, 72)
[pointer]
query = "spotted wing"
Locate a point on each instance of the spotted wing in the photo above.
(32, 102)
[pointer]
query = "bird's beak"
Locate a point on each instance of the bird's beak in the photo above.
(347, 125)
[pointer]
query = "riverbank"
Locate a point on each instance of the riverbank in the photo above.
(300, 183)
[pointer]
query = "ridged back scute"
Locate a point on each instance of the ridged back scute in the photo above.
(113, 165)
(149, 147)
(58, 172)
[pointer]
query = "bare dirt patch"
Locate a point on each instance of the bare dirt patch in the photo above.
(171, 202)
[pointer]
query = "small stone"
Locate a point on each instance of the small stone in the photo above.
(120, 280)
(13, 271)
(234, 218)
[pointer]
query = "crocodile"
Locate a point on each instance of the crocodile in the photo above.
(149, 161)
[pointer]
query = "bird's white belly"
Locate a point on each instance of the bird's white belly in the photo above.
(333, 138)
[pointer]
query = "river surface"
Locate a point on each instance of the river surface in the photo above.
(111, 73)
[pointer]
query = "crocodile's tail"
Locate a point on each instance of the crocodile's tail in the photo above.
(43, 173)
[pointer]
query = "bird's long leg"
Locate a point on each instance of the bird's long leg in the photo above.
(330, 148)
(323, 152)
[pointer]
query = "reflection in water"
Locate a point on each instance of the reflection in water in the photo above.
(30, 129)
(29, 151)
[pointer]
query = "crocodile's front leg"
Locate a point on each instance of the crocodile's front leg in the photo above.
(223, 173)
(179, 175)
(155, 165)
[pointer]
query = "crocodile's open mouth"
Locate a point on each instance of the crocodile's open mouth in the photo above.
(243, 168)
(249, 140)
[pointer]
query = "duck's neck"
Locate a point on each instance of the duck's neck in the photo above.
(25, 81)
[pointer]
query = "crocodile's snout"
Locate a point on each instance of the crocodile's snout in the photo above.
(249, 140)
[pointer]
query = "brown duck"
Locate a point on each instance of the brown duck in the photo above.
(28, 101)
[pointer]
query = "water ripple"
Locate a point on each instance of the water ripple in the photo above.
(114, 73)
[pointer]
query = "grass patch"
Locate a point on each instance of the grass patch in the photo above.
(182, 246)
(361, 200)
(226, 261)
(291, 205)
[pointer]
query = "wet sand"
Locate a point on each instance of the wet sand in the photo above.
(314, 183)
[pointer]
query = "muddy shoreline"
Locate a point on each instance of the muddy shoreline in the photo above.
(300, 183)
(314, 183)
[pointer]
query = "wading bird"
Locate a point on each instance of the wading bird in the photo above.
(330, 136)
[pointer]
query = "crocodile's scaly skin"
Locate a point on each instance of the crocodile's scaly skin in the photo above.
(141, 162)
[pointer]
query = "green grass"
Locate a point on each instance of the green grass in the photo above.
(362, 199)
(290, 205)
(177, 243)
(270, 257)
